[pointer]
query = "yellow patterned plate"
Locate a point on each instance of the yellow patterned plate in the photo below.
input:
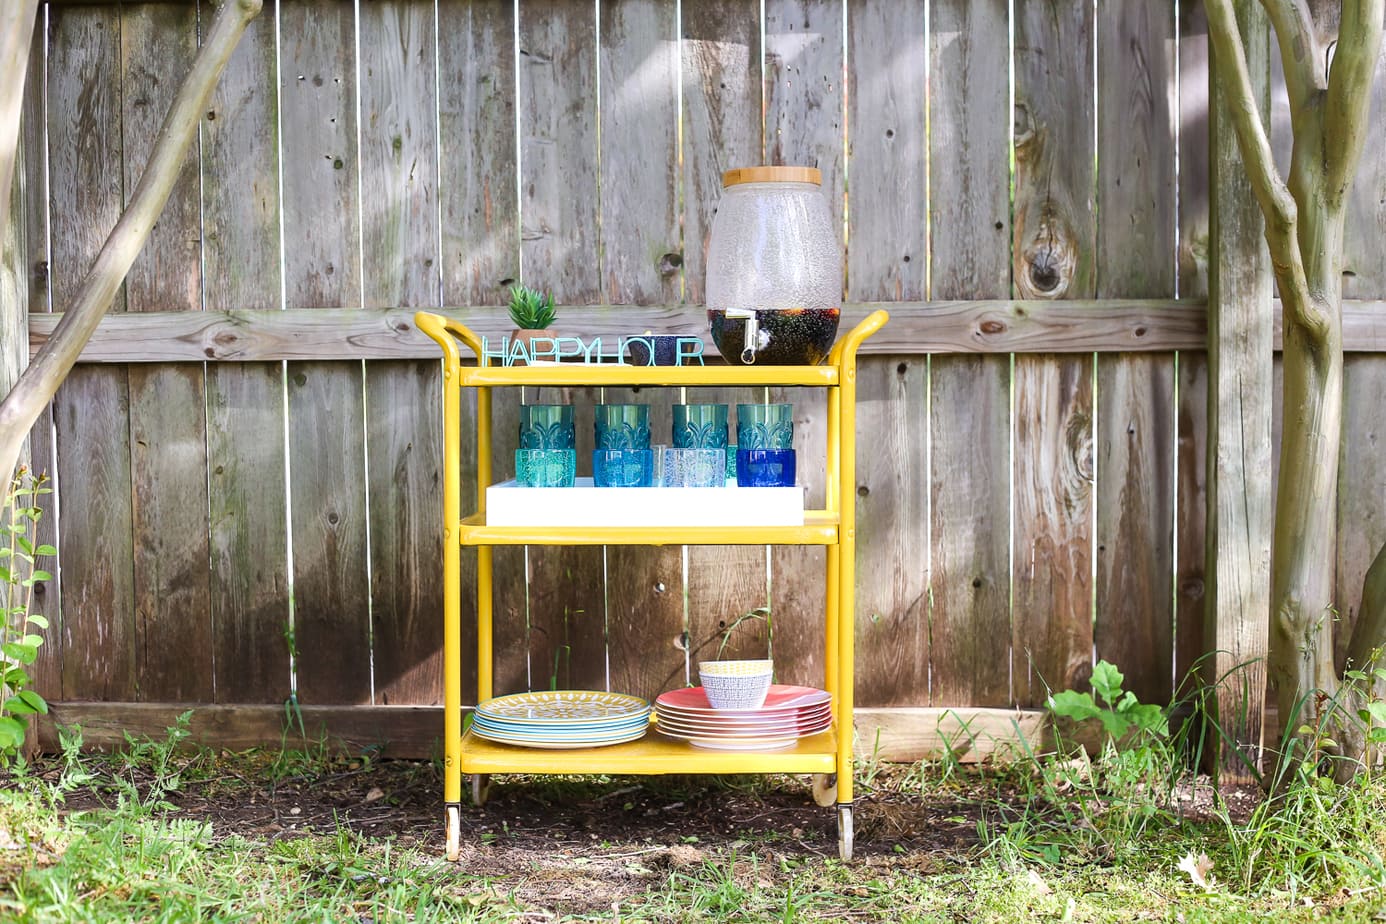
(557, 707)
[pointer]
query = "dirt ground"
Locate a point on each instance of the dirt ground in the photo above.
(584, 845)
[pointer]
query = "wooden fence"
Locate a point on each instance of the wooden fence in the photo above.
(248, 462)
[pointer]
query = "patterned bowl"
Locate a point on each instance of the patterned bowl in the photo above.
(735, 684)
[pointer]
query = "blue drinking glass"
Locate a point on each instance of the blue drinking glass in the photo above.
(700, 426)
(545, 468)
(765, 426)
(623, 468)
(622, 426)
(694, 468)
(765, 468)
(546, 426)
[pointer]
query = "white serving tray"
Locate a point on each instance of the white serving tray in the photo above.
(509, 504)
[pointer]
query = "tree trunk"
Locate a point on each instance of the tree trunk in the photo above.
(1305, 546)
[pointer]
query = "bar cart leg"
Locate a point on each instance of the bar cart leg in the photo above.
(844, 830)
(825, 789)
(454, 831)
(481, 788)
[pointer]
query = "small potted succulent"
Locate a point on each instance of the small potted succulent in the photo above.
(532, 313)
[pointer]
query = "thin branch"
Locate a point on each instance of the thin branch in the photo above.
(1369, 632)
(1350, 94)
(1299, 49)
(1277, 205)
(37, 385)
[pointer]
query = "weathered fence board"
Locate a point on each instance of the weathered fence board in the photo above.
(328, 518)
(1053, 257)
(1240, 415)
(168, 421)
(91, 411)
(887, 254)
(559, 241)
(29, 212)
(1134, 492)
(404, 423)
(245, 401)
(1192, 384)
(969, 408)
(1362, 474)
(722, 92)
(638, 62)
(804, 114)
(478, 198)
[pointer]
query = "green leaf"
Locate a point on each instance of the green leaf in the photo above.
(38, 619)
(5, 575)
(1377, 710)
(41, 575)
(1376, 736)
(1074, 705)
(32, 640)
(11, 733)
(34, 700)
(1115, 723)
(25, 544)
(16, 706)
(45, 550)
(16, 677)
(1150, 718)
(1107, 681)
(24, 654)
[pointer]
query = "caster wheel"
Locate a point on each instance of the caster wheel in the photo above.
(844, 832)
(481, 788)
(825, 789)
(454, 832)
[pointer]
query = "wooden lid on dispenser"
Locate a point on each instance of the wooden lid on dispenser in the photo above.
(768, 174)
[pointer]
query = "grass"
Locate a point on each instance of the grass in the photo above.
(101, 838)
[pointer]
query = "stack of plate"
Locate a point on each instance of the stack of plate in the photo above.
(789, 713)
(562, 719)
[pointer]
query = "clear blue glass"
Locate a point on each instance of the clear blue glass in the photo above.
(694, 468)
(546, 426)
(731, 462)
(700, 426)
(765, 426)
(545, 468)
(765, 468)
(623, 468)
(622, 426)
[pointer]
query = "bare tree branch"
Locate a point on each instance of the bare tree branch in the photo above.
(1299, 49)
(1277, 204)
(1350, 93)
(16, 30)
(37, 385)
(1370, 627)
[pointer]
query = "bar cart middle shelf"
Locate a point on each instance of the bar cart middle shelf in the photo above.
(828, 755)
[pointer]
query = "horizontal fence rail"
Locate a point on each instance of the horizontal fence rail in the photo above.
(1002, 326)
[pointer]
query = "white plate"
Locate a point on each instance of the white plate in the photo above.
(549, 707)
(782, 723)
(559, 744)
(802, 731)
(781, 699)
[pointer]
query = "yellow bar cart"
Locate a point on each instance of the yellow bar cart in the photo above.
(827, 755)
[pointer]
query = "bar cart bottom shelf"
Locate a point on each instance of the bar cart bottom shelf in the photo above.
(655, 754)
